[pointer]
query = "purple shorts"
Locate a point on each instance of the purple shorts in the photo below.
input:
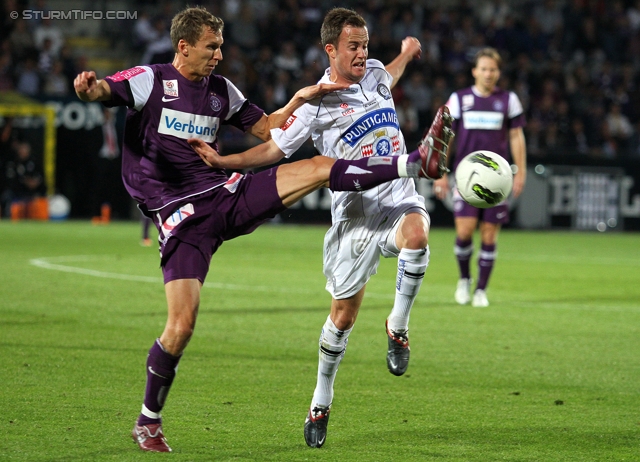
(497, 215)
(193, 229)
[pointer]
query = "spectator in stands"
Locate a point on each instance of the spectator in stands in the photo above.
(243, 30)
(23, 176)
(7, 23)
(159, 50)
(578, 140)
(55, 82)
(46, 57)
(144, 32)
(21, 40)
(6, 71)
(619, 126)
(28, 78)
(419, 96)
(548, 15)
(48, 30)
(287, 59)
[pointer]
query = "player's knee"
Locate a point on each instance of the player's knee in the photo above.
(416, 239)
(345, 320)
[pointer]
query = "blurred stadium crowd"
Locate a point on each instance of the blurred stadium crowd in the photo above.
(574, 63)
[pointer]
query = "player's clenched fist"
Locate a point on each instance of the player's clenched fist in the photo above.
(89, 88)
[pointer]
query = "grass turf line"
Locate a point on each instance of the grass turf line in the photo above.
(548, 371)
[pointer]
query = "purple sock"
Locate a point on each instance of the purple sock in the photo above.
(146, 222)
(463, 251)
(161, 370)
(361, 174)
(485, 264)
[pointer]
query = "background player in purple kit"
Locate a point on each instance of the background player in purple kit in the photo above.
(175, 109)
(485, 117)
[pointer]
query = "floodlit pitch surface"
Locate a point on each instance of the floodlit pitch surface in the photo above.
(550, 371)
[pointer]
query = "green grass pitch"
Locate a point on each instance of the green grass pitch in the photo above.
(550, 371)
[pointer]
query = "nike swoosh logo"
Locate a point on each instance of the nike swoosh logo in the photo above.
(165, 100)
(155, 373)
(321, 442)
(501, 215)
(392, 363)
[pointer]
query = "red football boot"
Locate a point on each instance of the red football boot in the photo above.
(150, 438)
(434, 145)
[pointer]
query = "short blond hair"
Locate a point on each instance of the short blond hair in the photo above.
(488, 52)
(188, 25)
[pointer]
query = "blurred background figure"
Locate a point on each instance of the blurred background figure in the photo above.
(24, 183)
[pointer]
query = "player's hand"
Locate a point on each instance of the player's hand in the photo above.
(411, 46)
(441, 187)
(321, 89)
(206, 152)
(85, 84)
(518, 183)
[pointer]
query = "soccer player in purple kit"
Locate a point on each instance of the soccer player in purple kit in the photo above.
(176, 109)
(485, 117)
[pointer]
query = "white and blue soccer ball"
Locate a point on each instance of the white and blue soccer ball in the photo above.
(59, 207)
(484, 179)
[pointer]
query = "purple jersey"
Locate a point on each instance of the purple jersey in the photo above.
(484, 122)
(164, 110)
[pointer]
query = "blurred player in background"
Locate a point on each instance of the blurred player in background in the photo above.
(485, 117)
(174, 109)
(390, 220)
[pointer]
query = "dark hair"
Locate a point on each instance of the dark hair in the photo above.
(189, 24)
(334, 22)
(488, 52)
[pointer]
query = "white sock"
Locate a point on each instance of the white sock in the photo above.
(412, 264)
(333, 343)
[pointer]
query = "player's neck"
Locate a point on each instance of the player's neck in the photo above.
(185, 70)
(483, 91)
(336, 78)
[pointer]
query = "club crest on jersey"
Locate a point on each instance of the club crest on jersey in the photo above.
(467, 102)
(215, 103)
(382, 146)
(498, 106)
(170, 87)
(384, 91)
(176, 218)
(370, 122)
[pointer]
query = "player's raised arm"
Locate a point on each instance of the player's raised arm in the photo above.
(410, 50)
(262, 129)
(89, 88)
(263, 154)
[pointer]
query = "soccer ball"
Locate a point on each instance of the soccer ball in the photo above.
(59, 207)
(484, 179)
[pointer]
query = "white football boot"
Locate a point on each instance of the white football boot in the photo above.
(462, 291)
(480, 299)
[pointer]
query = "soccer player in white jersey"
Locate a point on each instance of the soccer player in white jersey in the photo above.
(389, 220)
(485, 117)
(359, 124)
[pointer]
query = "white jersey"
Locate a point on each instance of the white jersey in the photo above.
(351, 124)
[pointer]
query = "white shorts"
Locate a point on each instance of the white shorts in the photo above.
(352, 248)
